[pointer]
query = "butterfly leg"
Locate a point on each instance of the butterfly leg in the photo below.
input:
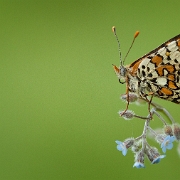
(149, 104)
(158, 108)
(143, 97)
(150, 116)
(127, 98)
(127, 105)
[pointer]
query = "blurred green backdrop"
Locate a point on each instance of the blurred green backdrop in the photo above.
(59, 95)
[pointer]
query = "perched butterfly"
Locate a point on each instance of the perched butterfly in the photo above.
(155, 74)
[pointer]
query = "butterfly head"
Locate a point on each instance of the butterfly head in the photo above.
(121, 72)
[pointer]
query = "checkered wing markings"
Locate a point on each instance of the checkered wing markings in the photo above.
(160, 69)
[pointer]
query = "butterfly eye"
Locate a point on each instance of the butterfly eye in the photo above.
(122, 82)
(122, 71)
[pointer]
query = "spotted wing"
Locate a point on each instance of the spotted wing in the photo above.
(160, 70)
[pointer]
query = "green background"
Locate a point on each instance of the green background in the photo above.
(59, 95)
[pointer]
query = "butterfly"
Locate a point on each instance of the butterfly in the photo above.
(156, 74)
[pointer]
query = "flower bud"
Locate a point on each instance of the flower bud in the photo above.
(127, 115)
(132, 97)
(129, 142)
(153, 155)
(176, 130)
(139, 157)
(168, 130)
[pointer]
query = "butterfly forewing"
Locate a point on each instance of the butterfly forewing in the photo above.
(159, 70)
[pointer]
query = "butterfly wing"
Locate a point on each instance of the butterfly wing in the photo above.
(159, 70)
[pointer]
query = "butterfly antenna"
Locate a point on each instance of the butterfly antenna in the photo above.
(119, 47)
(135, 36)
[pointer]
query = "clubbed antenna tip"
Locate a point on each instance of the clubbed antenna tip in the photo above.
(136, 34)
(114, 29)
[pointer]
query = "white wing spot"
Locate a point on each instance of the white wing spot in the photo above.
(161, 81)
(172, 46)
